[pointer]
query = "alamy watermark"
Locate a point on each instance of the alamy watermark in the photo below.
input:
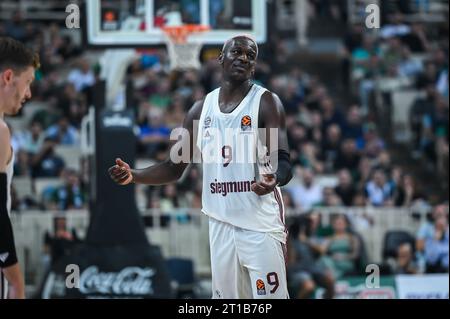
(373, 279)
(73, 277)
(373, 16)
(244, 145)
(73, 17)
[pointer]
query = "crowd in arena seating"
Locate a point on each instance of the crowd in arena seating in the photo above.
(325, 138)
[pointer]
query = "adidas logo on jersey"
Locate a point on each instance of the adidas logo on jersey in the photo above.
(3, 257)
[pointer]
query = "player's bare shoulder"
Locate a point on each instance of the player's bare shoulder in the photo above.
(5, 147)
(271, 108)
(271, 101)
(193, 114)
(196, 109)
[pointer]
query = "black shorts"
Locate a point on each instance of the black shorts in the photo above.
(8, 255)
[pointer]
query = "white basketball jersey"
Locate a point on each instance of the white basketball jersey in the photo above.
(228, 144)
(9, 176)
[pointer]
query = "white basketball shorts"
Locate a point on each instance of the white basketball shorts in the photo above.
(246, 264)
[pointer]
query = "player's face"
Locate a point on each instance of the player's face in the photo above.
(239, 59)
(17, 89)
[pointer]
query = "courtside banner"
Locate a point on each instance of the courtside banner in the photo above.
(357, 288)
(133, 271)
(432, 286)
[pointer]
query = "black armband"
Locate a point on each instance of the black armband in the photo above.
(8, 255)
(284, 169)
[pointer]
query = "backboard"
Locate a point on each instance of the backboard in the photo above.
(138, 22)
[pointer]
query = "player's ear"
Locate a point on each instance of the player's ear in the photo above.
(220, 58)
(7, 76)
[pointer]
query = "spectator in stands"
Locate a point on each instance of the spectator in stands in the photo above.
(442, 149)
(345, 189)
(359, 200)
(421, 106)
(82, 76)
(305, 268)
(33, 139)
(310, 157)
(366, 64)
(437, 246)
(433, 241)
(196, 200)
(154, 133)
(22, 164)
(62, 132)
(172, 204)
(72, 104)
(392, 57)
(15, 28)
(287, 201)
(68, 49)
(429, 76)
(61, 242)
(353, 127)
(162, 97)
(396, 27)
(175, 113)
(363, 173)
(434, 123)
(330, 198)
(342, 248)
(317, 94)
(409, 67)
(330, 146)
(308, 193)
(404, 263)
(315, 132)
(169, 199)
(406, 192)
(431, 235)
(371, 144)
(46, 163)
(330, 114)
(352, 40)
(297, 136)
(70, 195)
(442, 84)
(439, 118)
(416, 40)
(378, 190)
(384, 162)
(348, 157)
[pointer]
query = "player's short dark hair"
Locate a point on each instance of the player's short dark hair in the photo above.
(15, 55)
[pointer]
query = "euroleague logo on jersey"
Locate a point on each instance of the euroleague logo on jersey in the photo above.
(246, 123)
(207, 123)
(260, 287)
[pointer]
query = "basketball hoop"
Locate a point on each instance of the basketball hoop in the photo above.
(183, 55)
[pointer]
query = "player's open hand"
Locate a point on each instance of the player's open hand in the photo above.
(121, 173)
(266, 185)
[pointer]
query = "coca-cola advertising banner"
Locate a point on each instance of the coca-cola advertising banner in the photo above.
(131, 271)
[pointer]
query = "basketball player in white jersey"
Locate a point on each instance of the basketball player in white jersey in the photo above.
(244, 205)
(17, 67)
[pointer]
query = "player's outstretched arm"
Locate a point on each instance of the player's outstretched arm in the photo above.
(272, 115)
(165, 172)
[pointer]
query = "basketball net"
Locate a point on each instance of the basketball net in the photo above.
(183, 55)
